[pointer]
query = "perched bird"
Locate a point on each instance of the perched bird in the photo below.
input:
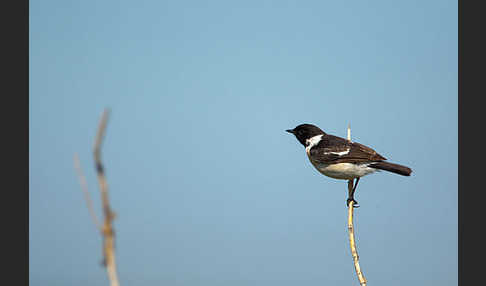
(339, 158)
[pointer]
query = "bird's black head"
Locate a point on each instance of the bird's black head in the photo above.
(305, 131)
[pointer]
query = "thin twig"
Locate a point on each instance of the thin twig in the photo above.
(349, 132)
(84, 187)
(352, 242)
(107, 229)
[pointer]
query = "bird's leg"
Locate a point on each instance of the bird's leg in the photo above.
(355, 184)
(351, 191)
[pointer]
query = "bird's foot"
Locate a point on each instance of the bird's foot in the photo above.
(355, 203)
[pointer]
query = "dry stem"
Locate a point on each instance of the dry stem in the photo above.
(352, 242)
(84, 187)
(106, 229)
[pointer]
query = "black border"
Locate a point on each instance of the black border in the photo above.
(15, 140)
(471, 121)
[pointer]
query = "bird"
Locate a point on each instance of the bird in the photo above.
(339, 158)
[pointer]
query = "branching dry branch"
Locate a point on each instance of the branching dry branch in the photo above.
(352, 242)
(106, 229)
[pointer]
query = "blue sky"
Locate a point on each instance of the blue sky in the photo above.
(208, 187)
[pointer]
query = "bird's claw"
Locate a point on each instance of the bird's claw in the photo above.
(355, 203)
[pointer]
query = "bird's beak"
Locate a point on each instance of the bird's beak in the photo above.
(290, 131)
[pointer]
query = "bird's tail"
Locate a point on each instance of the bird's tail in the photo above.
(390, 167)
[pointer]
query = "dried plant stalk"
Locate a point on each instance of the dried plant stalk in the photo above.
(349, 132)
(106, 228)
(84, 187)
(352, 242)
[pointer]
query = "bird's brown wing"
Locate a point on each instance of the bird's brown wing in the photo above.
(333, 149)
